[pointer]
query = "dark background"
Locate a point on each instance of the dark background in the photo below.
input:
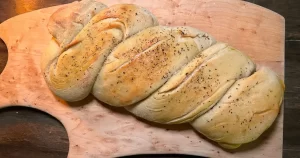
(30, 133)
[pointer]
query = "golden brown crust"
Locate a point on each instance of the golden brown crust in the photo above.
(72, 75)
(140, 65)
(196, 87)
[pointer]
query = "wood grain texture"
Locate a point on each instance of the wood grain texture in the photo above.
(288, 9)
(30, 135)
(33, 72)
(292, 75)
(291, 136)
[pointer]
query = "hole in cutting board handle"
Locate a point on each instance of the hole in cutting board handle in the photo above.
(31, 132)
(3, 55)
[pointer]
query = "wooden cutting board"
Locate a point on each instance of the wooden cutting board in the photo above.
(98, 130)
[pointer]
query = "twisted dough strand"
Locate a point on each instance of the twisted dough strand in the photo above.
(200, 84)
(169, 75)
(72, 74)
(131, 73)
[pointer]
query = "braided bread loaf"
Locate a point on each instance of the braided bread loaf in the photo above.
(168, 75)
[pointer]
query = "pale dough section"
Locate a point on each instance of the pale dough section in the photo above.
(249, 108)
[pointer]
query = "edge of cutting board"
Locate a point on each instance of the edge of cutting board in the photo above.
(88, 122)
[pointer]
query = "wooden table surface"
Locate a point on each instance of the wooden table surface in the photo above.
(31, 133)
